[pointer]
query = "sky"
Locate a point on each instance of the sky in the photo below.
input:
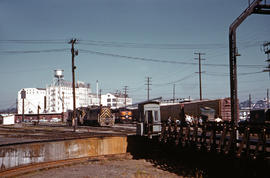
(122, 42)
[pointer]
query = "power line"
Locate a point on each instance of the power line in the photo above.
(60, 41)
(33, 51)
(161, 60)
(176, 81)
(133, 44)
(165, 45)
(227, 74)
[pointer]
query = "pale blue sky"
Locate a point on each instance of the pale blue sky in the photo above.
(175, 29)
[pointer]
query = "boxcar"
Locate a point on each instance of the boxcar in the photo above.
(220, 108)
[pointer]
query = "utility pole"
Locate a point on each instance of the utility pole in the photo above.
(38, 108)
(45, 104)
(148, 86)
(249, 99)
(97, 89)
(173, 92)
(63, 106)
(16, 106)
(266, 48)
(100, 97)
(73, 54)
(23, 96)
(200, 72)
(267, 100)
(125, 91)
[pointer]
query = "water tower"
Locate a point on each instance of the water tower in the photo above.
(59, 76)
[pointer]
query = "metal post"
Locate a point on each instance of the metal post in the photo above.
(254, 7)
(233, 53)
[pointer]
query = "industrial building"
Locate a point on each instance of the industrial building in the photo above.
(58, 97)
(117, 100)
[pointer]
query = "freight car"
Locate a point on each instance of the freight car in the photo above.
(260, 116)
(220, 107)
(99, 115)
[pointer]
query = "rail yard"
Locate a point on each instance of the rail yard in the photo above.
(67, 130)
(28, 147)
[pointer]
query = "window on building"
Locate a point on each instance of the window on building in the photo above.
(109, 105)
(108, 100)
(114, 104)
(114, 100)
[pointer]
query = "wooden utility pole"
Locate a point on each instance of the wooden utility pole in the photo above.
(267, 96)
(148, 87)
(100, 97)
(73, 54)
(249, 99)
(45, 104)
(173, 93)
(38, 108)
(16, 106)
(125, 93)
(200, 72)
(23, 96)
(63, 106)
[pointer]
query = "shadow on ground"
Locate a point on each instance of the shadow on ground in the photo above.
(189, 162)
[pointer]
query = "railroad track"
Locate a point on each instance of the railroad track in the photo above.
(31, 168)
(30, 133)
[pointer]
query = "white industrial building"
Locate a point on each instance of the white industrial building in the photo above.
(34, 98)
(58, 97)
(116, 100)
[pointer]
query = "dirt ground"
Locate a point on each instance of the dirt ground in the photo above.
(126, 168)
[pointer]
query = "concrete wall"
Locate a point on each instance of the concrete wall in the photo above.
(22, 154)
